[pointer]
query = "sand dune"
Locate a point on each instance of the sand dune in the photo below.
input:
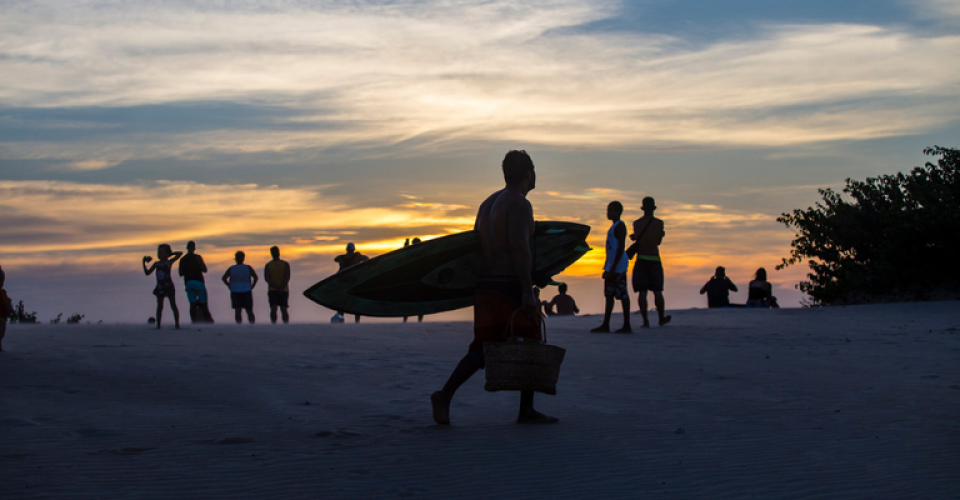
(856, 402)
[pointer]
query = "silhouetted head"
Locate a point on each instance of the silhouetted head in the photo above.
(563, 288)
(415, 241)
(275, 252)
(648, 204)
(761, 274)
(721, 272)
(518, 170)
(614, 210)
(164, 251)
(191, 246)
(351, 247)
(239, 256)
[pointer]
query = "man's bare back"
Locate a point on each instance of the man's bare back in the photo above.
(505, 224)
(649, 242)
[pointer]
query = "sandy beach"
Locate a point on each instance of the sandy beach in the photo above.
(855, 402)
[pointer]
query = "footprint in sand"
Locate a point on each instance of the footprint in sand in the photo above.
(121, 451)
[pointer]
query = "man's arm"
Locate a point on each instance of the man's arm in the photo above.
(519, 222)
(705, 285)
(256, 278)
(733, 288)
(226, 277)
(203, 265)
(576, 310)
(266, 276)
(286, 276)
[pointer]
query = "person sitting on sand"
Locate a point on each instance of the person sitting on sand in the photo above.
(503, 298)
(241, 279)
(760, 292)
(615, 270)
(164, 267)
(718, 289)
(6, 307)
(351, 258)
(192, 268)
(277, 274)
(648, 233)
(564, 304)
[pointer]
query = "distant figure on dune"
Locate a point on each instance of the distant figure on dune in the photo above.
(564, 304)
(504, 224)
(615, 270)
(6, 307)
(164, 267)
(648, 233)
(192, 268)
(760, 292)
(406, 244)
(241, 279)
(277, 275)
(718, 289)
(351, 258)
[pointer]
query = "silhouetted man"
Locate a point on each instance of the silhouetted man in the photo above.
(718, 289)
(504, 224)
(564, 304)
(277, 275)
(615, 270)
(192, 269)
(648, 233)
(351, 258)
(241, 279)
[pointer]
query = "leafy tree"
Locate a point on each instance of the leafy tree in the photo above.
(885, 238)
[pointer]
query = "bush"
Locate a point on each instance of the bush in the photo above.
(887, 238)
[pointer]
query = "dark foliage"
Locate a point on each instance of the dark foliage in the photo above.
(889, 237)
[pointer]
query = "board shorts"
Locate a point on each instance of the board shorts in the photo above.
(495, 300)
(615, 285)
(241, 300)
(196, 291)
(165, 290)
(278, 298)
(647, 275)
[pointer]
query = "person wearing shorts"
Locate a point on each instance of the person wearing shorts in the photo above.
(277, 274)
(615, 270)
(648, 233)
(241, 279)
(164, 289)
(192, 268)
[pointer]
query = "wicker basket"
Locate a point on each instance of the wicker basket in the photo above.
(522, 365)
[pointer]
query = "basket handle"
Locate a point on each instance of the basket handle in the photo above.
(508, 331)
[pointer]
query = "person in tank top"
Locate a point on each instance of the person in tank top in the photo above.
(615, 270)
(240, 279)
(163, 268)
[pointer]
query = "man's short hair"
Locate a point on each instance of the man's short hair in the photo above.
(191, 245)
(721, 269)
(240, 255)
(563, 288)
(515, 166)
(617, 206)
(275, 251)
(648, 203)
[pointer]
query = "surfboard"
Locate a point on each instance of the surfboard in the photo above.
(440, 274)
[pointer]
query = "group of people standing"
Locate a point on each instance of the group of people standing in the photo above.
(240, 278)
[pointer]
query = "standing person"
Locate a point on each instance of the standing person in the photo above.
(718, 289)
(192, 268)
(241, 279)
(164, 267)
(406, 244)
(6, 307)
(504, 224)
(648, 233)
(277, 274)
(351, 258)
(615, 270)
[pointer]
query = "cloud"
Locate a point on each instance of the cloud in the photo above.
(435, 76)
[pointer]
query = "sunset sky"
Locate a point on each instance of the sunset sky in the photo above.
(247, 124)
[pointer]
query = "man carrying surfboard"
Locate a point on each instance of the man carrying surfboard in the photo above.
(504, 224)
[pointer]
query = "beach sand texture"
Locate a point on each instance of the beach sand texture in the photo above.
(855, 402)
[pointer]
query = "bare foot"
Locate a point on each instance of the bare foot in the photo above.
(441, 408)
(625, 329)
(601, 329)
(645, 325)
(665, 320)
(535, 417)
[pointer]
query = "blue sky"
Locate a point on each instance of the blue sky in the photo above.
(309, 124)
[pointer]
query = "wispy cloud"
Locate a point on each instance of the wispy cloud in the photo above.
(432, 75)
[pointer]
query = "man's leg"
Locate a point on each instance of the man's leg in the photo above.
(3, 331)
(469, 365)
(658, 301)
(250, 317)
(237, 314)
(273, 314)
(356, 319)
(643, 308)
(626, 316)
(530, 416)
(607, 311)
(285, 315)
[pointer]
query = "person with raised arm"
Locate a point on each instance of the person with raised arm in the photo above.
(164, 267)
